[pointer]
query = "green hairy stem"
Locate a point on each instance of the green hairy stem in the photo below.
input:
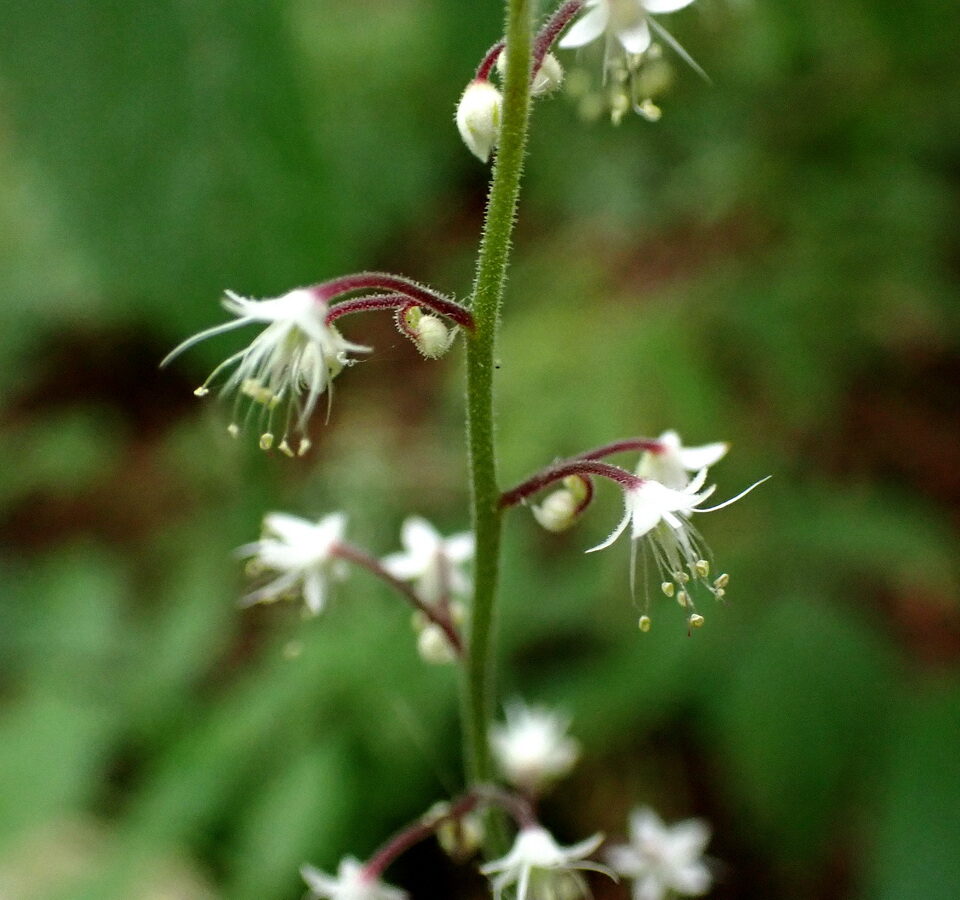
(478, 682)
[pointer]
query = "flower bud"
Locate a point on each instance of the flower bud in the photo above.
(433, 646)
(461, 838)
(478, 118)
(559, 511)
(429, 333)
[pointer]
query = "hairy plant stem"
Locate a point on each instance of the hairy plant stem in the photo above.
(478, 682)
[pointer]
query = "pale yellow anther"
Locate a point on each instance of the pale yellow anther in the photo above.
(284, 448)
(303, 447)
(201, 391)
(719, 593)
(721, 581)
(266, 440)
(644, 623)
(681, 577)
(695, 621)
(668, 588)
(649, 110)
(702, 568)
(683, 598)
(233, 429)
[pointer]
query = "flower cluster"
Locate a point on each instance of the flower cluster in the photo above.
(277, 381)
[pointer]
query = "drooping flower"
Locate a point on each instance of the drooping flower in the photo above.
(434, 563)
(533, 747)
(352, 882)
(663, 860)
(671, 464)
(300, 557)
(285, 369)
(542, 869)
(662, 516)
(625, 21)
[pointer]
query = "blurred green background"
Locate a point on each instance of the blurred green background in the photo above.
(774, 263)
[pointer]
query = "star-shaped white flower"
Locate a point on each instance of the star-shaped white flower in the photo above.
(351, 883)
(623, 20)
(671, 464)
(434, 563)
(287, 367)
(542, 869)
(533, 748)
(663, 860)
(661, 515)
(300, 553)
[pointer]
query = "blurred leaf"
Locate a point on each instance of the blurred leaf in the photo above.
(914, 820)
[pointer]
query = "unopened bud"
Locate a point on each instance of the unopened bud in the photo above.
(430, 333)
(433, 646)
(558, 512)
(478, 118)
(461, 838)
(548, 78)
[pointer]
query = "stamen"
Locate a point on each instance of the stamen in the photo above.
(304, 446)
(721, 581)
(667, 587)
(683, 598)
(284, 448)
(201, 391)
(233, 429)
(695, 621)
(266, 440)
(702, 568)
(644, 623)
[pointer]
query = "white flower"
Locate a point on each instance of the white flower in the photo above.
(542, 869)
(431, 561)
(662, 516)
(626, 22)
(533, 748)
(670, 465)
(663, 860)
(478, 118)
(300, 553)
(286, 367)
(350, 883)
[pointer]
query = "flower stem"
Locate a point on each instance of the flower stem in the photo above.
(478, 682)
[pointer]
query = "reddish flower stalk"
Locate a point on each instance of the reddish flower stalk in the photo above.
(541, 45)
(398, 285)
(516, 806)
(646, 444)
(559, 471)
(489, 61)
(551, 29)
(438, 617)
